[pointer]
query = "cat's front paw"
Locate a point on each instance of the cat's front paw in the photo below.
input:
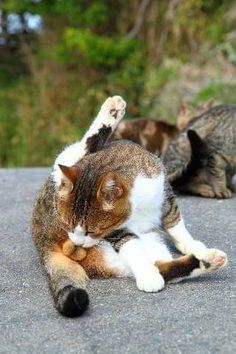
(212, 259)
(115, 106)
(224, 193)
(151, 281)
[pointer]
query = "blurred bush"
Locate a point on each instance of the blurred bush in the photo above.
(153, 53)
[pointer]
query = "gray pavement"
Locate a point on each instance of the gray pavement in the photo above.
(197, 316)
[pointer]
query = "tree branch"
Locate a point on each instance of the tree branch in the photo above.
(140, 18)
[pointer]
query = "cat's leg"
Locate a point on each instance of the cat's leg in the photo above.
(76, 253)
(110, 114)
(218, 180)
(219, 184)
(181, 267)
(67, 280)
(135, 260)
(204, 190)
(184, 242)
(132, 253)
(102, 261)
(189, 266)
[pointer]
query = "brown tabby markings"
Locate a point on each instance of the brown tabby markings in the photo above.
(72, 251)
(153, 135)
(96, 141)
(94, 196)
(119, 237)
(202, 158)
(187, 113)
(178, 268)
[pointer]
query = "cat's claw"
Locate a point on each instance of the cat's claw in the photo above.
(150, 282)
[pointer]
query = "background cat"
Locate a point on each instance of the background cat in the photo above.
(202, 158)
(155, 135)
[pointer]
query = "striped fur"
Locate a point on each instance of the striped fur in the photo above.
(113, 201)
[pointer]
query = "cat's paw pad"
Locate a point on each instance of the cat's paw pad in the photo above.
(115, 106)
(150, 282)
(213, 259)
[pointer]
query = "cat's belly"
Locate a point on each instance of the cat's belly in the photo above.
(151, 245)
(147, 197)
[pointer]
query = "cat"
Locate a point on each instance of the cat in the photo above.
(112, 202)
(156, 135)
(153, 135)
(202, 158)
(186, 112)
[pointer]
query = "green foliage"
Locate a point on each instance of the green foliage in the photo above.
(52, 86)
(218, 91)
(96, 49)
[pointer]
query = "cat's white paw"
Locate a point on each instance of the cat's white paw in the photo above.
(115, 108)
(151, 281)
(212, 259)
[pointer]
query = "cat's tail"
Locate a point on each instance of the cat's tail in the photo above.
(67, 280)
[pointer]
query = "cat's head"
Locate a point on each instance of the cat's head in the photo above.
(94, 201)
(187, 112)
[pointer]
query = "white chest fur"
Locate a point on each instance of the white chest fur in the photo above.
(147, 196)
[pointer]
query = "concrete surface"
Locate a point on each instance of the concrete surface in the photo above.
(197, 316)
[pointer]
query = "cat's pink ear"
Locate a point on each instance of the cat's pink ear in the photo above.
(111, 188)
(69, 177)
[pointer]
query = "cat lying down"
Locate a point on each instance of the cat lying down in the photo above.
(111, 199)
(156, 135)
(201, 160)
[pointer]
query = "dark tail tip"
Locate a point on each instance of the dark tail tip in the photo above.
(71, 301)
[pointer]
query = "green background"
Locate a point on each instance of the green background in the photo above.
(153, 53)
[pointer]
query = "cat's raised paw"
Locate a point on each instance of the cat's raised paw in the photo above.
(151, 281)
(213, 259)
(116, 106)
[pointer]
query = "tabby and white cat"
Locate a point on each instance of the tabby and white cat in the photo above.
(112, 199)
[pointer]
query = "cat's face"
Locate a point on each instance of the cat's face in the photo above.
(97, 204)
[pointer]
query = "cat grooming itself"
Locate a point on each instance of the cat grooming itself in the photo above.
(112, 199)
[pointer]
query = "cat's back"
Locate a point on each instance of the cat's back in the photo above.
(126, 158)
(217, 126)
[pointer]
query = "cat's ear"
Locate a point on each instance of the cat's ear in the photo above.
(69, 177)
(111, 188)
(198, 146)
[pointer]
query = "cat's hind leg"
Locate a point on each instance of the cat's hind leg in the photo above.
(183, 266)
(190, 266)
(187, 245)
(110, 114)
